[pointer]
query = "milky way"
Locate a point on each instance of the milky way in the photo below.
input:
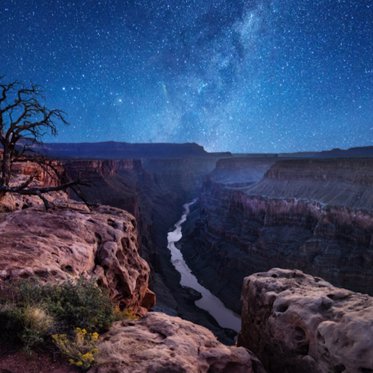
(245, 76)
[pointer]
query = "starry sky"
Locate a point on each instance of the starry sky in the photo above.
(238, 75)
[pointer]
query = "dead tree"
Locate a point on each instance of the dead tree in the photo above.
(24, 120)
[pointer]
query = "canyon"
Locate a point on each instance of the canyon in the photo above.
(252, 214)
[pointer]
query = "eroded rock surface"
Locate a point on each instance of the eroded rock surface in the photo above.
(161, 343)
(68, 242)
(298, 323)
(42, 177)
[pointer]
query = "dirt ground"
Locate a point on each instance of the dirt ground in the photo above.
(12, 361)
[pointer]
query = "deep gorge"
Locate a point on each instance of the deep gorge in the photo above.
(253, 214)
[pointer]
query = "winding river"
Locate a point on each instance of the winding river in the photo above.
(225, 317)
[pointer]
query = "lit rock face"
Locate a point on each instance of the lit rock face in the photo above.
(161, 343)
(298, 323)
(42, 177)
(68, 242)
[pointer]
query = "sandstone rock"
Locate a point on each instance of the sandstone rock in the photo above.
(12, 202)
(68, 242)
(298, 323)
(43, 177)
(160, 343)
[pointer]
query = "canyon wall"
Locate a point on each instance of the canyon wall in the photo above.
(119, 150)
(305, 214)
(335, 182)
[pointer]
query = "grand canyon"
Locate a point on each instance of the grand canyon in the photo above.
(275, 251)
(186, 186)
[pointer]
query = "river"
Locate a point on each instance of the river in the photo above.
(225, 317)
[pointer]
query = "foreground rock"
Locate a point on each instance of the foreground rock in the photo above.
(161, 343)
(68, 242)
(298, 323)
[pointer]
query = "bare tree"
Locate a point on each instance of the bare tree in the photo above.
(24, 120)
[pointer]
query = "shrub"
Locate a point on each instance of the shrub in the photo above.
(38, 319)
(83, 304)
(28, 325)
(29, 311)
(80, 349)
(126, 314)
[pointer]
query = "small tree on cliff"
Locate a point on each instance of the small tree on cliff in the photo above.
(24, 120)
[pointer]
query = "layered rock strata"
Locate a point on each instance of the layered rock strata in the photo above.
(298, 323)
(43, 176)
(335, 182)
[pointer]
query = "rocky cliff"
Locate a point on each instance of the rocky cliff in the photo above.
(241, 171)
(69, 242)
(119, 150)
(297, 323)
(43, 176)
(301, 214)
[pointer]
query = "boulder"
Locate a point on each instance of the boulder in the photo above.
(299, 323)
(161, 343)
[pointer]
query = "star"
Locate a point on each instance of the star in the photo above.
(258, 76)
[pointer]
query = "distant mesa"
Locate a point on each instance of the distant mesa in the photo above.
(358, 152)
(120, 150)
(124, 150)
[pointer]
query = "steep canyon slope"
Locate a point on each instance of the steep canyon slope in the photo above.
(314, 215)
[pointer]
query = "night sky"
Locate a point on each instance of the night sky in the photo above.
(245, 76)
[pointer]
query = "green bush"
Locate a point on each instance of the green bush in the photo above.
(83, 304)
(29, 311)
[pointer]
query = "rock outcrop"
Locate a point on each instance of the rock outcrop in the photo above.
(161, 343)
(68, 242)
(241, 171)
(45, 176)
(297, 323)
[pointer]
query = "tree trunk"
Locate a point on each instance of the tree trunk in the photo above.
(6, 167)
